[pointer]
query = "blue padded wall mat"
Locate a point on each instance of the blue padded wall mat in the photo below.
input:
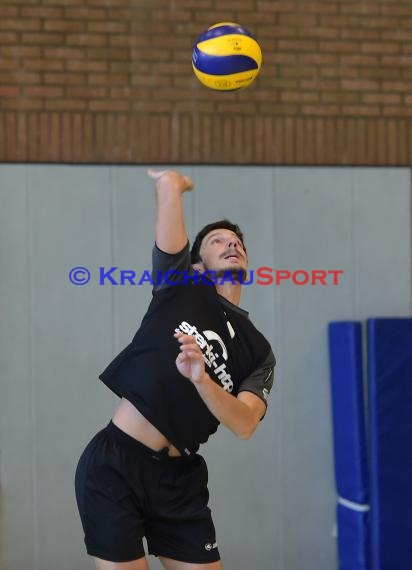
(353, 538)
(390, 424)
(350, 444)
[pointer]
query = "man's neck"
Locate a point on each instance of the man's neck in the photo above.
(230, 292)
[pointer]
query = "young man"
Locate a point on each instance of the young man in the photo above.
(196, 361)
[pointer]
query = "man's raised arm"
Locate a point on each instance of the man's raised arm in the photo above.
(171, 235)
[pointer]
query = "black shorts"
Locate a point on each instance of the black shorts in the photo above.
(125, 491)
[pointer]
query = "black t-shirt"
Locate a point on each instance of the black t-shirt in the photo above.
(237, 356)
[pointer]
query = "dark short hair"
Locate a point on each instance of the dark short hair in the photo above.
(220, 225)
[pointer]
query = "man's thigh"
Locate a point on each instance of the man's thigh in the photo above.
(170, 564)
(180, 527)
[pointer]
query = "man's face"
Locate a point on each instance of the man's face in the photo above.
(222, 251)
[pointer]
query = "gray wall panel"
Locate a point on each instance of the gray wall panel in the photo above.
(314, 204)
(382, 213)
(70, 226)
(16, 459)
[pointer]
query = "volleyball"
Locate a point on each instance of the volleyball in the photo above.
(226, 57)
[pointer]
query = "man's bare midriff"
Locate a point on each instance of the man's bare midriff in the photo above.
(130, 420)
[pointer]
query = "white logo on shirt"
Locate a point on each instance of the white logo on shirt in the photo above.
(210, 357)
(210, 545)
(231, 331)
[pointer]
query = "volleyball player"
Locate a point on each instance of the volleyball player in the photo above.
(195, 361)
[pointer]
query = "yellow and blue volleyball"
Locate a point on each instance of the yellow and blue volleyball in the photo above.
(226, 57)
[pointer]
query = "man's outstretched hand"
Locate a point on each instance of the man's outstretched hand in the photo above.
(171, 180)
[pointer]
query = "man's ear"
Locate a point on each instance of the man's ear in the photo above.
(199, 267)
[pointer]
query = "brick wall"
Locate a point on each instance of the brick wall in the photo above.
(111, 81)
